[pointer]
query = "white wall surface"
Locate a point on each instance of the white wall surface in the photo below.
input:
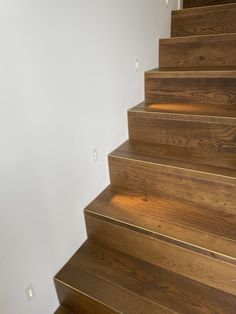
(67, 78)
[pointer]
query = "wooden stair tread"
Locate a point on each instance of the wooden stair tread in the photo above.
(203, 9)
(202, 3)
(129, 285)
(188, 72)
(193, 161)
(192, 112)
(63, 310)
(185, 224)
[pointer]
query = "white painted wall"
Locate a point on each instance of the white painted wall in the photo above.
(67, 79)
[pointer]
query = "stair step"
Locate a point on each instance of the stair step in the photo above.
(218, 19)
(129, 285)
(63, 310)
(186, 126)
(190, 85)
(174, 173)
(164, 252)
(182, 223)
(206, 50)
(201, 3)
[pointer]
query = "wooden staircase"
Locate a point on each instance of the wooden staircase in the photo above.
(162, 236)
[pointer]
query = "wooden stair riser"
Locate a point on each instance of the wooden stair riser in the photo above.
(204, 189)
(79, 301)
(210, 137)
(207, 270)
(204, 51)
(204, 21)
(220, 92)
(202, 3)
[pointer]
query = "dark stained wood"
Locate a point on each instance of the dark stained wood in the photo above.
(63, 310)
(111, 291)
(180, 157)
(163, 178)
(205, 51)
(139, 287)
(214, 137)
(204, 269)
(200, 3)
(196, 228)
(191, 87)
(77, 300)
(220, 19)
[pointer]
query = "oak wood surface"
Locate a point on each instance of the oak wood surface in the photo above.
(207, 189)
(182, 223)
(76, 299)
(194, 51)
(212, 272)
(204, 21)
(139, 287)
(181, 157)
(215, 139)
(191, 87)
(199, 3)
(112, 287)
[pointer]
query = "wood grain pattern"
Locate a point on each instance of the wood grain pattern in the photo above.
(103, 277)
(201, 3)
(189, 89)
(205, 189)
(204, 21)
(140, 287)
(204, 135)
(206, 270)
(193, 160)
(196, 228)
(204, 51)
(77, 300)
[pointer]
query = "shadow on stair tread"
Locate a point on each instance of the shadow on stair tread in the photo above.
(199, 229)
(130, 285)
